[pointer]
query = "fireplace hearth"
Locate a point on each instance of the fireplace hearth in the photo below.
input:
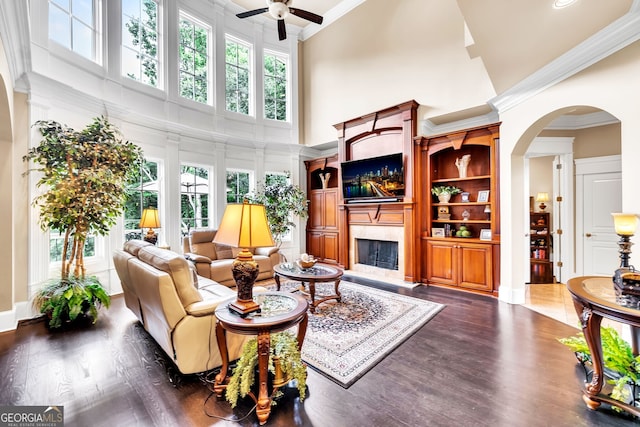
(377, 253)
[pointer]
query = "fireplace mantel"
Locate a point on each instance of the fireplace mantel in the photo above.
(387, 131)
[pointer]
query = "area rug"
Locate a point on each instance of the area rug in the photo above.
(346, 339)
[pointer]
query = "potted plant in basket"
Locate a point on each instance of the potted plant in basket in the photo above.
(85, 174)
(282, 201)
(444, 192)
(285, 363)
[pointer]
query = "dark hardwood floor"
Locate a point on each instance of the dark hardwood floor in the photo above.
(479, 362)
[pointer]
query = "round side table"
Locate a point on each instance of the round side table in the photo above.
(279, 311)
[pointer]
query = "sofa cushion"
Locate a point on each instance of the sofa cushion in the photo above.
(177, 267)
(224, 251)
(134, 246)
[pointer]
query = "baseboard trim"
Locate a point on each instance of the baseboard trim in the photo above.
(512, 295)
(9, 319)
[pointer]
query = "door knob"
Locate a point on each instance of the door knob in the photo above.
(588, 234)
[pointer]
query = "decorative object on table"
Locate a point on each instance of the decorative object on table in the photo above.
(443, 213)
(462, 164)
(483, 196)
(444, 192)
(463, 231)
(465, 215)
(150, 220)
(306, 261)
(78, 169)
(285, 363)
(244, 225)
(485, 234)
(464, 197)
(542, 198)
(283, 201)
(487, 211)
(619, 362)
(626, 281)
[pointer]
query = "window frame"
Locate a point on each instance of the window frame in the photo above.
(95, 27)
(286, 58)
(251, 181)
(186, 16)
(159, 84)
(251, 70)
(159, 195)
(210, 199)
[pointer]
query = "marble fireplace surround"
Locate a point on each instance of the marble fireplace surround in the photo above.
(377, 232)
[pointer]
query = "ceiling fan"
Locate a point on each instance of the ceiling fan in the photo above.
(279, 9)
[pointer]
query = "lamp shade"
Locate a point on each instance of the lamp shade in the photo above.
(244, 226)
(542, 197)
(625, 224)
(150, 218)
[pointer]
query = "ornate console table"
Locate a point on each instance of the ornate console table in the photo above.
(594, 299)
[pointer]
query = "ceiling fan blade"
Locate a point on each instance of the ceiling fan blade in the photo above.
(282, 31)
(317, 19)
(252, 12)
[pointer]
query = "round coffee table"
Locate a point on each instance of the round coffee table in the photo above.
(319, 273)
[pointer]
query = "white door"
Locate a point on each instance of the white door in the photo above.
(602, 195)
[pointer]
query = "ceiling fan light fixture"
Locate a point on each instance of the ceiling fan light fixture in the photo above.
(279, 10)
(559, 4)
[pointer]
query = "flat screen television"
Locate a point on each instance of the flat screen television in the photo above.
(376, 178)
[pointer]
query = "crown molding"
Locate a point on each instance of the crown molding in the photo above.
(604, 43)
(329, 17)
(583, 121)
(427, 127)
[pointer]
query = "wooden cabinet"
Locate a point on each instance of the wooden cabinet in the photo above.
(540, 249)
(460, 237)
(322, 224)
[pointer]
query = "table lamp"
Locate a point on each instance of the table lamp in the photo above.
(150, 220)
(626, 281)
(244, 226)
(625, 226)
(542, 197)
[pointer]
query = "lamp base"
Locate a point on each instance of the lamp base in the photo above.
(542, 207)
(626, 283)
(151, 237)
(245, 271)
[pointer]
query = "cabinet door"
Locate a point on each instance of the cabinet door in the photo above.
(314, 244)
(476, 270)
(330, 247)
(441, 266)
(316, 209)
(331, 208)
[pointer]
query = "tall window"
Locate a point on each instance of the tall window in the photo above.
(143, 191)
(73, 24)
(56, 246)
(238, 76)
(194, 198)
(140, 40)
(275, 86)
(238, 185)
(194, 60)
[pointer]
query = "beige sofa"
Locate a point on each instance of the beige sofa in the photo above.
(175, 305)
(214, 261)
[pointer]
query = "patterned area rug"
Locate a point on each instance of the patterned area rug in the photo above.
(346, 339)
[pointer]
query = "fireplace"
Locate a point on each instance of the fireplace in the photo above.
(377, 253)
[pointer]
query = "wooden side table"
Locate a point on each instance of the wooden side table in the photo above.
(594, 298)
(280, 311)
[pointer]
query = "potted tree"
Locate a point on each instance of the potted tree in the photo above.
(85, 174)
(283, 201)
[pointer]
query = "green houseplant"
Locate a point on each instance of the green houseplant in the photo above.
(284, 349)
(85, 175)
(437, 190)
(283, 201)
(619, 362)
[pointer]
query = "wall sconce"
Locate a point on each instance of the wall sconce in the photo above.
(150, 220)
(542, 197)
(244, 226)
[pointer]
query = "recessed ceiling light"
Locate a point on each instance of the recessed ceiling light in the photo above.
(559, 4)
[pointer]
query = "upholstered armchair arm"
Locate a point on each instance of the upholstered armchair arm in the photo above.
(203, 308)
(202, 263)
(266, 251)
